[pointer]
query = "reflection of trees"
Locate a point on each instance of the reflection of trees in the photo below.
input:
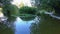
(11, 18)
(47, 25)
(7, 31)
(4, 29)
(34, 29)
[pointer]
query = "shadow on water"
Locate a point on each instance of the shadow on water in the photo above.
(45, 24)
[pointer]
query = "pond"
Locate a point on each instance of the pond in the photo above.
(44, 24)
(22, 27)
(16, 25)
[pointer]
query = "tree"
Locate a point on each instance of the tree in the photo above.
(48, 4)
(41, 4)
(5, 4)
(28, 10)
(11, 10)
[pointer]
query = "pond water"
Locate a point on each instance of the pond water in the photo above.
(22, 27)
(17, 25)
(43, 25)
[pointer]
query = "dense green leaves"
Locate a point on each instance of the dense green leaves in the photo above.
(45, 4)
(6, 6)
(28, 10)
(10, 10)
(48, 5)
(4, 2)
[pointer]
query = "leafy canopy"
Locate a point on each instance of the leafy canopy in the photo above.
(46, 4)
(28, 10)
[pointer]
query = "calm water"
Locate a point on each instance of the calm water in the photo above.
(22, 27)
(16, 25)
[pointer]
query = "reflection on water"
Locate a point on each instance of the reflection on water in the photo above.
(22, 27)
(46, 25)
(17, 25)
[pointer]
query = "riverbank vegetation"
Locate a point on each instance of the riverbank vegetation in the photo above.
(47, 24)
(47, 5)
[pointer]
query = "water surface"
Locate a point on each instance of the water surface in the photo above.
(45, 25)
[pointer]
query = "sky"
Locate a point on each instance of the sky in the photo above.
(26, 2)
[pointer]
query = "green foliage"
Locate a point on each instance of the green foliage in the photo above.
(46, 4)
(4, 2)
(10, 10)
(6, 5)
(28, 10)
